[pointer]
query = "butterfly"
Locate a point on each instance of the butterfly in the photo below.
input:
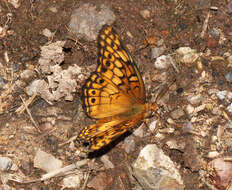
(114, 94)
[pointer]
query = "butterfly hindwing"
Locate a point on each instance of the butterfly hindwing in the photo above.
(102, 133)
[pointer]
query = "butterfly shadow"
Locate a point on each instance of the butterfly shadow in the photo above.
(107, 148)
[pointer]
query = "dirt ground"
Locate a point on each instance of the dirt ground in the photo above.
(177, 23)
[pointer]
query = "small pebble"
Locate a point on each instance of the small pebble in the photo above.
(187, 127)
(101, 181)
(229, 59)
(173, 144)
(72, 181)
(199, 108)
(88, 19)
(15, 3)
(213, 154)
(46, 162)
(5, 163)
(139, 132)
(129, 143)
(145, 14)
(214, 32)
(221, 172)
(187, 55)
(221, 94)
(229, 6)
(153, 126)
(195, 100)
(26, 74)
(229, 108)
(178, 113)
(189, 109)
(2, 82)
(107, 163)
(5, 187)
(46, 32)
(212, 42)
(228, 76)
(3, 32)
(156, 52)
(163, 62)
(53, 9)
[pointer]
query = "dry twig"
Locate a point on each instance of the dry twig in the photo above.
(29, 113)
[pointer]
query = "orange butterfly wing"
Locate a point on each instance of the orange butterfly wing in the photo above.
(114, 94)
(117, 82)
(115, 63)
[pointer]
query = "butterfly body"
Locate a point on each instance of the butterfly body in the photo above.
(114, 94)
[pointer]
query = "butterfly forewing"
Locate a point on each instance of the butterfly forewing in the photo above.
(102, 98)
(115, 63)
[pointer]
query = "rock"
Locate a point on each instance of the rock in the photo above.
(224, 94)
(5, 163)
(178, 113)
(107, 163)
(140, 131)
(153, 126)
(129, 143)
(229, 59)
(145, 13)
(195, 99)
(229, 6)
(213, 154)
(61, 83)
(203, 4)
(229, 108)
(25, 167)
(221, 172)
(46, 32)
(51, 54)
(187, 127)
(212, 42)
(5, 187)
(187, 55)
(87, 20)
(15, 3)
(2, 82)
(199, 108)
(26, 74)
(173, 144)
(189, 109)
(228, 76)
(46, 161)
(53, 9)
(156, 52)
(101, 182)
(155, 171)
(163, 62)
(72, 181)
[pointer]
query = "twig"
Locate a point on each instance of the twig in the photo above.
(123, 186)
(22, 108)
(205, 25)
(86, 180)
(59, 172)
(68, 141)
(29, 113)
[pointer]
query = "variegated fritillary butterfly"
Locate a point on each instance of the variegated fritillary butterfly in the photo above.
(114, 94)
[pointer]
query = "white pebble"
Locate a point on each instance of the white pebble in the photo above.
(163, 62)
